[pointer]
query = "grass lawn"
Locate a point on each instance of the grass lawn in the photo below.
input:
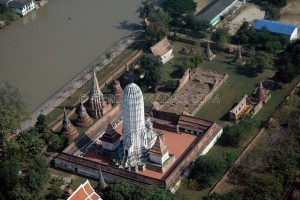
(229, 94)
(232, 90)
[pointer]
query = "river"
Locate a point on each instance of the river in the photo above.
(43, 51)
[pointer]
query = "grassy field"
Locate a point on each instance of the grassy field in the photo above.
(230, 93)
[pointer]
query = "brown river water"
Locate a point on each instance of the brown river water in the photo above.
(43, 51)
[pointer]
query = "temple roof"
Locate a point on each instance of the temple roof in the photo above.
(110, 134)
(161, 48)
(85, 192)
(159, 147)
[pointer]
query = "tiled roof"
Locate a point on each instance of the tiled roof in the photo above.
(18, 3)
(213, 9)
(85, 192)
(275, 26)
(161, 48)
(110, 134)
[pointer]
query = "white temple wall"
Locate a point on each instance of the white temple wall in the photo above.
(165, 58)
(159, 159)
(110, 146)
(213, 141)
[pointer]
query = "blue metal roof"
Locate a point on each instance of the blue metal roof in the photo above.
(275, 26)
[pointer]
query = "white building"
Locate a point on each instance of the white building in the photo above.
(163, 49)
(137, 137)
(21, 7)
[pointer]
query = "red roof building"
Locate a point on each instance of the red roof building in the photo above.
(85, 192)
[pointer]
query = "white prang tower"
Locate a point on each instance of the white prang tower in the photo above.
(136, 138)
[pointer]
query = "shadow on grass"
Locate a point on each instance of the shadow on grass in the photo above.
(66, 107)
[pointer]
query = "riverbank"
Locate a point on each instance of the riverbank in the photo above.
(81, 79)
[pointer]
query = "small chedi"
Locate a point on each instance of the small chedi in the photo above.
(140, 144)
(117, 92)
(208, 53)
(96, 105)
(250, 105)
(67, 128)
(83, 119)
(238, 59)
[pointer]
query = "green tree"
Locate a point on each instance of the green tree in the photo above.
(9, 171)
(177, 8)
(120, 191)
(216, 196)
(13, 111)
(147, 6)
(286, 73)
(156, 32)
(56, 191)
(171, 84)
(41, 124)
(205, 169)
(272, 12)
(220, 35)
(159, 16)
(151, 67)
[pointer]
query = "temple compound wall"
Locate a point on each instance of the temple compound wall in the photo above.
(207, 133)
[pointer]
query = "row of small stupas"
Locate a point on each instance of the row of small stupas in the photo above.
(95, 107)
(237, 61)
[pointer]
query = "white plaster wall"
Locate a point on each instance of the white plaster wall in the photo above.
(110, 146)
(158, 159)
(294, 34)
(213, 141)
(165, 58)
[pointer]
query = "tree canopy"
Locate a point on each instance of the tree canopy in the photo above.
(177, 8)
(147, 6)
(151, 67)
(125, 191)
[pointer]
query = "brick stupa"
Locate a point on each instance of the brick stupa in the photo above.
(117, 92)
(67, 128)
(238, 59)
(260, 94)
(96, 106)
(83, 119)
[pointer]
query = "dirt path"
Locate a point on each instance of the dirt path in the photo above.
(291, 12)
(223, 182)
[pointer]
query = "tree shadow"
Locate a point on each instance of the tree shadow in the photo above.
(127, 25)
(66, 107)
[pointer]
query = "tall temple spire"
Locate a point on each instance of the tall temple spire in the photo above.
(83, 119)
(96, 105)
(67, 128)
(208, 53)
(95, 91)
(135, 142)
(101, 184)
(238, 60)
